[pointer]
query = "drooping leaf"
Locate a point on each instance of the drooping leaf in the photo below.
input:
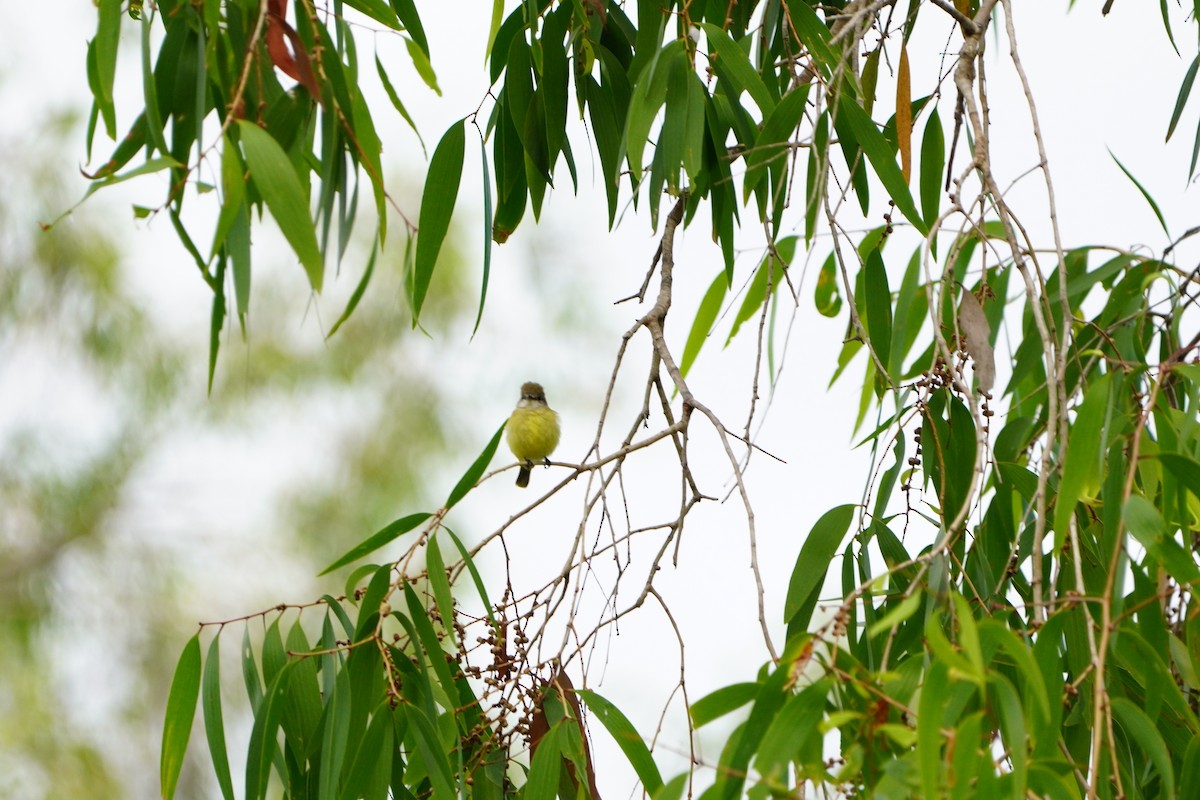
(818, 550)
(359, 289)
(933, 162)
(626, 737)
(1153, 205)
(181, 709)
(904, 121)
(214, 725)
(879, 154)
(437, 205)
(276, 181)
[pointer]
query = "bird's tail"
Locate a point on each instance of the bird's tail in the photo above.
(523, 476)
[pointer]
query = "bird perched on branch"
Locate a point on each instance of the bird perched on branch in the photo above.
(532, 430)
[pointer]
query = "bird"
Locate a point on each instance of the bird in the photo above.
(532, 430)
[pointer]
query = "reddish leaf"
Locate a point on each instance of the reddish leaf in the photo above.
(539, 726)
(295, 66)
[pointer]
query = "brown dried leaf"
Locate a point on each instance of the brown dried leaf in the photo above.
(904, 121)
(539, 726)
(297, 66)
(977, 333)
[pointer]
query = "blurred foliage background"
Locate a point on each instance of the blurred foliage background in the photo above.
(123, 487)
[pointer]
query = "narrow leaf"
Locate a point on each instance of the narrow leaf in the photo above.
(437, 205)
(352, 303)
(487, 234)
(723, 701)
(1185, 91)
(732, 64)
(933, 157)
(706, 316)
(812, 564)
(435, 567)
(904, 120)
(1153, 205)
(214, 725)
(1146, 523)
(181, 709)
(471, 476)
(279, 185)
(626, 737)
(1142, 730)
(377, 540)
(880, 155)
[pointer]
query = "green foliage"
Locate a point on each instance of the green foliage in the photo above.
(1041, 639)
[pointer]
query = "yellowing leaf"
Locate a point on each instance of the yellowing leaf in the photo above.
(904, 122)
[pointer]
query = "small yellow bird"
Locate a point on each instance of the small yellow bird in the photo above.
(532, 430)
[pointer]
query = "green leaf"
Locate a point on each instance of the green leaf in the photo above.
(879, 153)
(721, 702)
(606, 129)
(487, 234)
(369, 774)
(1185, 469)
(435, 567)
(814, 34)
(818, 550)
(396, 102)
(827, 295)
(1189, 778)
(264, 747)
(254, 689)
(216, 322)
(441, 776)
(181, 709)
(933, 162)
(233, 187)
(421, 62)
(771, 696)
(377, 10)
(407, 12)
(214, 725)
(794, 729)
(103, 50)
(649, 94)
(546, 765)
(1012, 726)
(930, 711)
(626, 737)
(732, 65)
(475, 576)
(352, 303)
(369, 149)
(378, 539)
(471, 476)
(879, 306)
(494, 27)
(336, 729)
(1185, 91)
(774, 138)
(706, 316)
(1147, 525)
(1153, 205)
(1085, 447)
(437, 205)
(277, 182)
(369, 604)
(1141, 729)
(897, 614)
